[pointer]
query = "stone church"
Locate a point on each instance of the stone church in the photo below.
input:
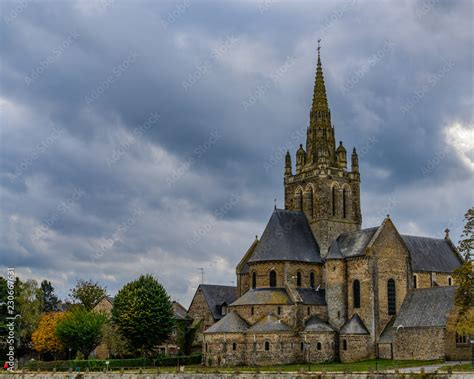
(316, 287)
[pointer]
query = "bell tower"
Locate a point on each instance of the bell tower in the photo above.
(322, 186)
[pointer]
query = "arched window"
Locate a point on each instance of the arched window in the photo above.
(273, 278)
(318, 346)
(234, 346)
(415, 281)
(299, 200)
(391, 297)
(267, 346)
(333, 201)
(356, 293)
(206, 347)
(450, 281)
(308, 311)
(302, 346)
(344, 203)
(254, 279)
(344, 345)
(312, 281)
(252, 311)
(279, 310)
(298, 279)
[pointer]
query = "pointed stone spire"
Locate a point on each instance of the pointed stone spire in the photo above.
(288, 164)
(355, 161)
(320, 114)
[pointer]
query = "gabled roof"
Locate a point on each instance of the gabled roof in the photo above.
(230, 323)
(315, 324)
(243, 266)
(426, 307)
(287, 237)
(268, 324)
(258, 296)
(217, 295)
(312, 297)
(388, 332)
(353, 244)
(354, 326)
(431, 254)
(334, 251)
(180, 313)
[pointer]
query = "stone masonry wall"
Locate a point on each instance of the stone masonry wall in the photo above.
(336, 292)
(327, 353)
(420, 344)
(359, 347)
(199, 310)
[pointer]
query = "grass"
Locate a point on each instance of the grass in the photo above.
(463, 367)
(369, 365)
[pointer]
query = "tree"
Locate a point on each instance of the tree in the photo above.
(29, 306)
(50, 300)
(44, 338)
(113, 339)
(144, 313)
(464, 278)
(81, 330)
(87, 293)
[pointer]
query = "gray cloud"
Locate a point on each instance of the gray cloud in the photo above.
(79, 79)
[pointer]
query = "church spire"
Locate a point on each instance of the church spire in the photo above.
(320, 114)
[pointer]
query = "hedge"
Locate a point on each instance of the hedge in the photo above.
(99, 365)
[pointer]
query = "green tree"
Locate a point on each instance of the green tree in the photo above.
(464, 278)
(144, 313)
(29, 306)
(87, 293)
(113, 339)
(50, 300)
(3, 316)
(81, 330)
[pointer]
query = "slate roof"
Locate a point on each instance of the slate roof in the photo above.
(354, 326)
(353, 244)
(315, 324)
(256, 296)
(287, 237)
(334, 251)
(217, 295)
(312, 297)
(431, 254)
(388, 332)
(180, 312)
(426, 307)
(269, 324)
(230, 323)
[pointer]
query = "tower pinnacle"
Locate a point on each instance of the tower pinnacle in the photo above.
(320, 114)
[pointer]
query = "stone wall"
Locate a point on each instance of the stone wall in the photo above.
(287, 312)
(327, 351)
(426, 279)
(419, 343)
(336, 292)
(283, 348)
(224, 349)
(384, 350)
(199, 310)
(358, 347)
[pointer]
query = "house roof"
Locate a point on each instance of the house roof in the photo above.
(230, 323)
(312, 297)
(315, 324)
(180, 313)
(217, 295)
(353, 244)
(354, 326)
(287, 237)
(243, 266)
(269, 323)
(426, 307)
(334, 251)
(257, 296)
(432, 254)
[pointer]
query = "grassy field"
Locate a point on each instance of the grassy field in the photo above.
(465, 367)
(369, 365)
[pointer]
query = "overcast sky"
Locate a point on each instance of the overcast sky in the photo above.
(148, 137)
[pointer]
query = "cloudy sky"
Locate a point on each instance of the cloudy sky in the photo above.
(147, 137)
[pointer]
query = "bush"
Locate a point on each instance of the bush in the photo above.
(114, 364)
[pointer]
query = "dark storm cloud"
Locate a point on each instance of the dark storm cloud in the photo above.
(231, 84)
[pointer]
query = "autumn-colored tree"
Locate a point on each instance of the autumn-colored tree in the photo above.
(87, 293)
(464, 277)
(44, 337)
